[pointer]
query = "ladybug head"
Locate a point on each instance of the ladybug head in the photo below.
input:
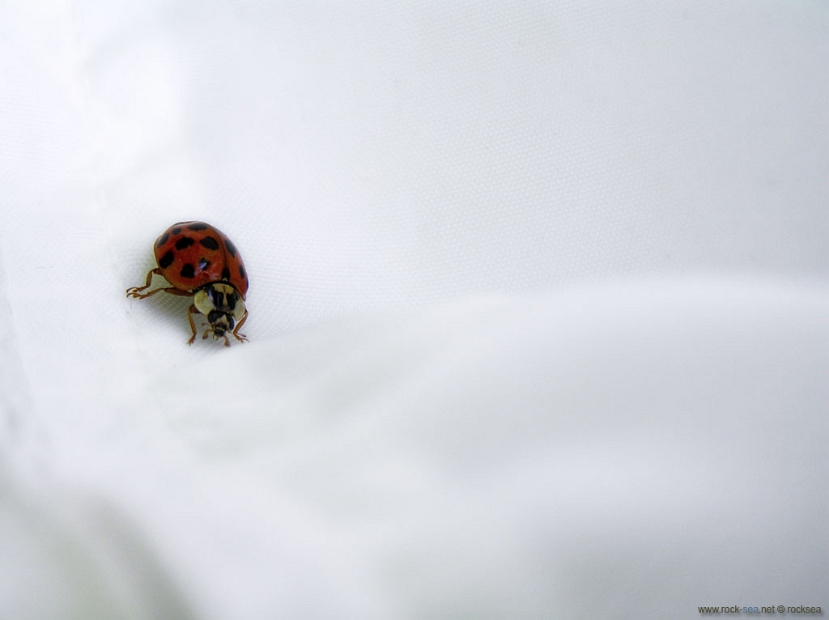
(222, 305)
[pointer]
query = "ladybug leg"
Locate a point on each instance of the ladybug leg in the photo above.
(204, 335)
(134, 291)
(170, 289)
(236, 334)
(190, 312)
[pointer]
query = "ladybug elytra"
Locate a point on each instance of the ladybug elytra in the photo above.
(199, 261)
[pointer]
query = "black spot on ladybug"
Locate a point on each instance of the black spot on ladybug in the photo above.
(184, 242)
(225, 274)
(210, 243)
(176, 230)
(166, 260)
(230, 247)
(204, 264)
(198, 226)
(242, 271)
(231, 301)
(162, 240)
(187, 271)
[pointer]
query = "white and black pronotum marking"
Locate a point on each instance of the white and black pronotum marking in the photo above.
(223, 307)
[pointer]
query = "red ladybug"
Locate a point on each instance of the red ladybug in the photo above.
(201, 262)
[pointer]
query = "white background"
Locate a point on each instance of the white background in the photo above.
(539, 318)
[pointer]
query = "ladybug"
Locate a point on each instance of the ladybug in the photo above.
(201, 262)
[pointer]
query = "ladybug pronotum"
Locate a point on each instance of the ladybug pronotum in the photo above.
(199, 261)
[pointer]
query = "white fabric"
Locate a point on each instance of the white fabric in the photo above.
(539, 321)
